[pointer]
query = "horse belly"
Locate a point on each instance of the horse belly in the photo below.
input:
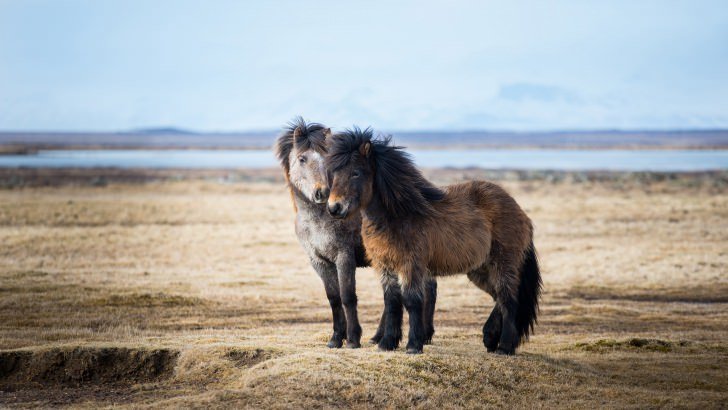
(460, 253)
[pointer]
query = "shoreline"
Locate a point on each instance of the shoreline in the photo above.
(56, 177)
(32, 149)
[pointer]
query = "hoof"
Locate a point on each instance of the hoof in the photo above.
(374, 341)
(428, 338)
(334, 344)
(490, 344)
(388, 343)
(352, 345)
(414, 350)
(505, 352)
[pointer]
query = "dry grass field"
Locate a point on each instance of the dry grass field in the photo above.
(195, 293)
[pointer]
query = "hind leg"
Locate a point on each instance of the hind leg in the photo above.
(509, 338)
(507, 302)
(492, 330)
(493, 327)
(429, 309)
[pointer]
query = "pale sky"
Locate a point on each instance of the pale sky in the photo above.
(233, 65)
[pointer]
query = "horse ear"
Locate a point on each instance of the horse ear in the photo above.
(297, 140)
(365, 149)
(327, 133)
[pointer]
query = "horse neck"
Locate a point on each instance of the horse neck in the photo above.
(376, 216)
(303, 204)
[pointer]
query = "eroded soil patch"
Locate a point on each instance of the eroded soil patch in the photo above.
(633, 344)
(83, 366)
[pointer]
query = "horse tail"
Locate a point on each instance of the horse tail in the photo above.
(529, 290)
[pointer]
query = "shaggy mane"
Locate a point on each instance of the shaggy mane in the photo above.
(311, 136)
(398, 183)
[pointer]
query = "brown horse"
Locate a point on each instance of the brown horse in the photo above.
(413, 230)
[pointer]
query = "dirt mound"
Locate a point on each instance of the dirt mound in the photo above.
(83, 366)
(247, 358)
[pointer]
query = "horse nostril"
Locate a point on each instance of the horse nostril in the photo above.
(318, 195)
(334, 209)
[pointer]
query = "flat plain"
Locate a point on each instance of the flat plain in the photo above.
(195, 293)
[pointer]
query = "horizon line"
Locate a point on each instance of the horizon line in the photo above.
(171, 130)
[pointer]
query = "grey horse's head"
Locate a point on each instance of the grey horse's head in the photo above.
(301, 150)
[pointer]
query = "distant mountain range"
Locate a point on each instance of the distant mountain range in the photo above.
(171, 137)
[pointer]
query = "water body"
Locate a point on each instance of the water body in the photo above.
(528, 159)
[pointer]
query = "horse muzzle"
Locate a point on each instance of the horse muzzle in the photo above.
(337, 210)
(321, 195)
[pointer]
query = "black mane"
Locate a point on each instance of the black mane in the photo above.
(398, 183)
(310, 136)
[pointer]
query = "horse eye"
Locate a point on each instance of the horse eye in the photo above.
(355, 174)
(302, 160)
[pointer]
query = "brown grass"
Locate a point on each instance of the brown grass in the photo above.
(196, 294)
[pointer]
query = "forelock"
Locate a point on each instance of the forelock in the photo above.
(310, 136)
(344, 147)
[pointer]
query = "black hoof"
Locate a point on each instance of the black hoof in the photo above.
(490, 343)
(352, 345)
(375, 339)
(428, 338)
(335, 343)
(505, 352)
(388, 343)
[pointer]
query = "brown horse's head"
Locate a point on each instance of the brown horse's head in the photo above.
(362, 169)
(301, 151)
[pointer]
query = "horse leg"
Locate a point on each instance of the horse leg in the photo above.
(507, 303)
(346, 268)
(327, 272)
(380, 329)
(413, 298)
(429, 309)
(492, 330)
(392, 316)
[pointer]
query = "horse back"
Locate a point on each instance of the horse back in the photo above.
(474, 218)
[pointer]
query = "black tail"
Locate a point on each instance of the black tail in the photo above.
(529, 291)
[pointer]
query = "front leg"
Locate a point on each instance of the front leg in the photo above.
(413, 298)
(380, 329)
(392, 315)
(346, 269)
(327, 272)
